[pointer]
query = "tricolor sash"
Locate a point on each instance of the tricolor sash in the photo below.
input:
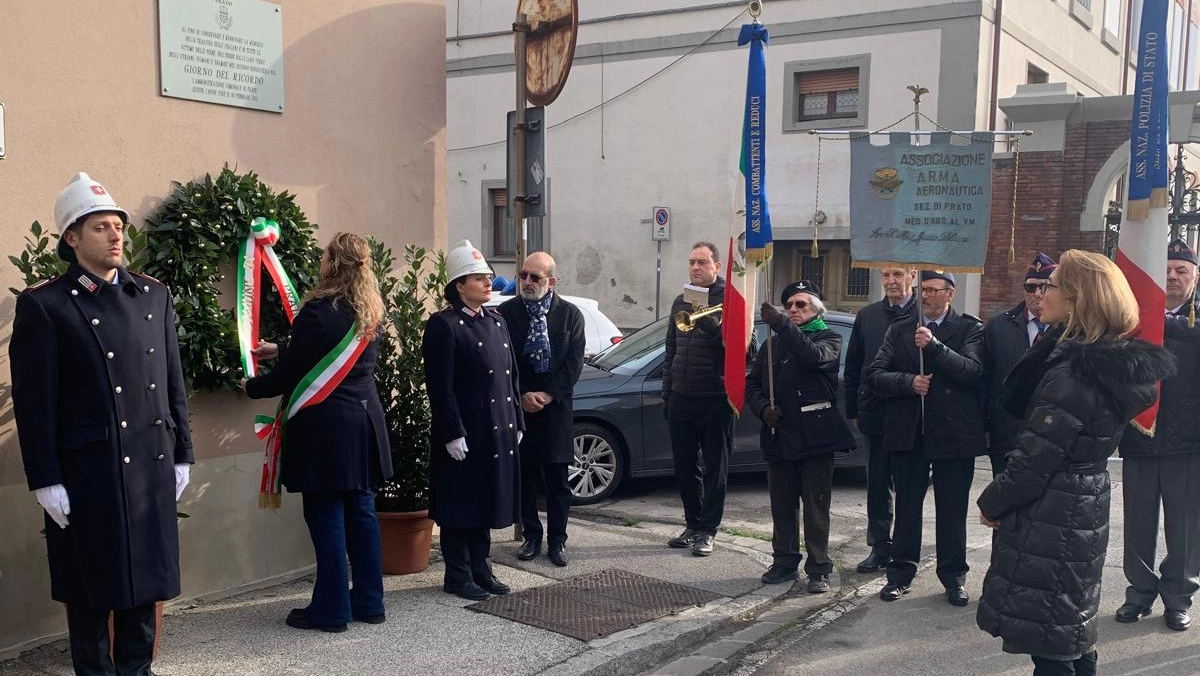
(255, 252)
(312, 389)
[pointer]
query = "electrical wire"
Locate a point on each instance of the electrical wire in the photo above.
(602, 103)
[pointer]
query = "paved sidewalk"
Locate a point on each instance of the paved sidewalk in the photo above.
(430, 632)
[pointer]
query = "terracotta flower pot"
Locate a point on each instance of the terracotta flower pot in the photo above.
(405, 541)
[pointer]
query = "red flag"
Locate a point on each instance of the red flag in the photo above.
(735, 329)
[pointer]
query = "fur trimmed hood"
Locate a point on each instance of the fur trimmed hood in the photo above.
(1117, 367)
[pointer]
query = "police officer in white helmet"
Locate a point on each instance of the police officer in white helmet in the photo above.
(102, 419)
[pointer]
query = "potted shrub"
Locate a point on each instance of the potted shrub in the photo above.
(402, 503)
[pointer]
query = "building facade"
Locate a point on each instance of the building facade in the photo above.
(360, 143)
(651, 114)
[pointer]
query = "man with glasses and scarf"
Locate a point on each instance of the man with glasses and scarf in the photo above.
(929, 372)
(1007, 336)
(548, 339)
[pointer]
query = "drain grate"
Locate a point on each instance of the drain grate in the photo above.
(595, 605)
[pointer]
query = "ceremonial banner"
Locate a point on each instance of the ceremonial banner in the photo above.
(925, 206)
(1142, 246)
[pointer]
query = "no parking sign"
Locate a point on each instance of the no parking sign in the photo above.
(661, 224)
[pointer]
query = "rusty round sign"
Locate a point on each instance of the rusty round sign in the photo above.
(549, 47)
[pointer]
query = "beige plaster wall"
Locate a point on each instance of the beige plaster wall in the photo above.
(361, 144)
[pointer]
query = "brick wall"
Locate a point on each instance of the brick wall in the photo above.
(1052, 187)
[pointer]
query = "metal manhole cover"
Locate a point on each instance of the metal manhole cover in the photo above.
(595, 605)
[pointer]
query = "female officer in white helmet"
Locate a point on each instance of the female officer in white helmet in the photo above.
(471, 379)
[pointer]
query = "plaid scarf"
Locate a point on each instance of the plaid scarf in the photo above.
(537, 341)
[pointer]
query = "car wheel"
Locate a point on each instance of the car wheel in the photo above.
(598, 465)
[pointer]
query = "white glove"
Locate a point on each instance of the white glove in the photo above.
(54, 500)
(520, 435)
(183, 474)
(457, 448)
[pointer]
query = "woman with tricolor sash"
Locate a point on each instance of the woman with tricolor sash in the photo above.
(471, 378)
(334, 447)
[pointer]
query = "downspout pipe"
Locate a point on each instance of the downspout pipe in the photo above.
(996, 32)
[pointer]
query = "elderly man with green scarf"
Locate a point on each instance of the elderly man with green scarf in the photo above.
(802, 429)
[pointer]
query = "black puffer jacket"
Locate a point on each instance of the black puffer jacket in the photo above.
(1042, 592)
(1176, 430)
(806, 366)
(695, 360)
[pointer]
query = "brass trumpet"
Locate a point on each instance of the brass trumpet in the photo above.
(686, 321)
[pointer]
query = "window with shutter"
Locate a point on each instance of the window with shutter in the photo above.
(827, 94)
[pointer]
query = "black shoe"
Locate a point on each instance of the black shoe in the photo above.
(1177, 619)
(873, 563)
(558, 553)
(957, 596)
(778, 573)
(684, 540)
(493, 586)
(530, 548)
(372, 619)
(299, 620)
(1131, 612)
(469, 591)
(703, 545)
(892, 591)
(818, 584)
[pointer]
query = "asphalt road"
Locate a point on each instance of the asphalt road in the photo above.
(861, 635)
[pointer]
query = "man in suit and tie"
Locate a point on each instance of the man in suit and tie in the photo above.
(548, 339)
(929, 372)
(1007, 336)
(1164, 470)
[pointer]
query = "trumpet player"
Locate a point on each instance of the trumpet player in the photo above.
(699, 418)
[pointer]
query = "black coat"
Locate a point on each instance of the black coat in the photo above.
(1042, 592)
(1175, 430)
(471, 378)
(694, 364)
(549, 433)
(340, 444)
(870, 325)
(953, 408)
(1006, 339)
(806, 373)
(101, 408)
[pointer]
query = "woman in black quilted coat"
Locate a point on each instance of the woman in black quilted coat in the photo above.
(1076, 391)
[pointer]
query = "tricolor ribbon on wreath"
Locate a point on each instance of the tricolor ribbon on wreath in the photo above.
(257, 251)
(312, 389)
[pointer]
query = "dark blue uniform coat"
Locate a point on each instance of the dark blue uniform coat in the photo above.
(101, 408)
(471, 378)
(341, 443)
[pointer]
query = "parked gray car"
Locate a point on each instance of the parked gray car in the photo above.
(619, 425)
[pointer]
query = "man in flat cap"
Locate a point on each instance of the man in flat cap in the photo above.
(802, 428)
(1165, 469)
(1007, 336)
(929, 372)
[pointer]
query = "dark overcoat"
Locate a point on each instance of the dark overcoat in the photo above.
(471, 378)
(1042, 591)
(549, 433)
(1175, 430)
(101, 408)
(340, 444)
(1006, 338)
(806, 370)
(953, 408)
(870, 326)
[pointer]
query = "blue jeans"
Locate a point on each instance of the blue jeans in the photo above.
(341, 523)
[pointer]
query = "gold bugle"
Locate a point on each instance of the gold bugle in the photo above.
(686, 321)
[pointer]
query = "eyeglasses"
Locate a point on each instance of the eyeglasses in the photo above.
(1034, 287)
(930, 291)
(1051, 286)
(532, 276)
(798, 304)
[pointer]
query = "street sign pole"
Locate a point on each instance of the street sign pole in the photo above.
(517, 200)
(660, 231)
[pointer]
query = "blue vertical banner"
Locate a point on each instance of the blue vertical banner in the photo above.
(1148, 126)
(754, 145)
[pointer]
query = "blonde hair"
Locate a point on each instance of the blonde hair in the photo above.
(1102, 304)
(348, 276)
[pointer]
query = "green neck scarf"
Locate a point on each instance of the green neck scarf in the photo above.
(814, 325)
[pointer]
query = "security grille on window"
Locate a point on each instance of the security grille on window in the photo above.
(827, 94)
(813, 269)
(858, 282)
(503, 231)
